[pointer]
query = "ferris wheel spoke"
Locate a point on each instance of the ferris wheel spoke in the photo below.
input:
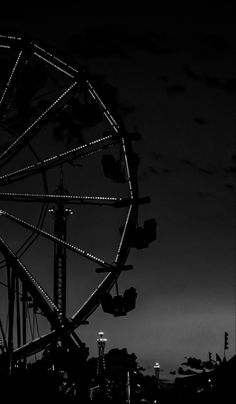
(73, 199)
(35, 346)
(55, 61)
(43, 300)
(73, 72)
(49, 236)
(31, 130)
(4, 100)
(40, 343)
(82, 151)
(69, 199)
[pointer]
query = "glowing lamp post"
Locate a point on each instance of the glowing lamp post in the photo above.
(101, 341)
(101, 344)
(157, 372)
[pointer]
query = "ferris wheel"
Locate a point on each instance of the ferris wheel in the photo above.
(63, 151)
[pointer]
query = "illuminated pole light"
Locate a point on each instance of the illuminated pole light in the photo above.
(101, 366)
(101, 341)
(157, 372)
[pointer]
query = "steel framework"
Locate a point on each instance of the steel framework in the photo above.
(24, 62)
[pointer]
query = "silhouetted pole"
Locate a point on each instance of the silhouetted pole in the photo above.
(11, 300)
(3, 340)
(128, 388)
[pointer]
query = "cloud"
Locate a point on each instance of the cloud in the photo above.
(226, 85)
(157, 156)
(205, 171)
(187, 162)
(210, 81)
(101, 41)
(114, 40)
(166, 171)
(215, 42)
(205, 194)
(165, 78)
(191, 73)
(230, 187)
(200, 169)
(200, 121)
(176, 89)
(230, 86)
(230, 170)
(153, 170)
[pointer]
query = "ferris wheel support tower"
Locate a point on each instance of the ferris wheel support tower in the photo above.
(61, 215)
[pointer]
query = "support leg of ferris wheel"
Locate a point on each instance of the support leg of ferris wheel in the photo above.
(61, 215)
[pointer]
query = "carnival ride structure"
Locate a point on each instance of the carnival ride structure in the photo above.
(63, 150)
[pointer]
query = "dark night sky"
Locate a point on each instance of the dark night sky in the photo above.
(177, 74)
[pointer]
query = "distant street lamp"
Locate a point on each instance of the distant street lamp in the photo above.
(101, 367)
(101, 341)
(157, 372)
